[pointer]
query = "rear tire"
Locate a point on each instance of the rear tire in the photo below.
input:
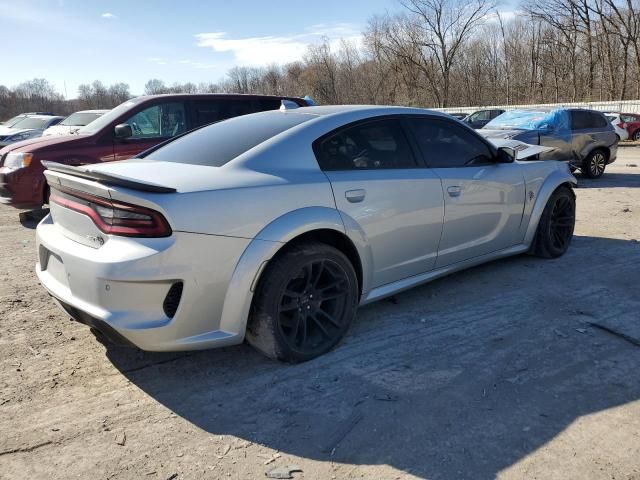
(595, 164)
(556, 226)
(636, 135)
(305, 303)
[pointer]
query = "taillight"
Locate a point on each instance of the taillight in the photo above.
(113, 217)
(622, 126)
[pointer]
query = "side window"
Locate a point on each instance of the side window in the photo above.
(481, 116)
(268, 104)
(446, 144)
(629, 118)
(209, 111)
(159, 121)
(598, 120)
(580, 120)
(372, 145)
(495, 113)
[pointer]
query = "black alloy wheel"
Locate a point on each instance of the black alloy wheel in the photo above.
(304, 304)
(312, 306)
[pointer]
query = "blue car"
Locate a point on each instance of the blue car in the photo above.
(583, 138)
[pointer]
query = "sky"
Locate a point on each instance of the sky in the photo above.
(70, 42)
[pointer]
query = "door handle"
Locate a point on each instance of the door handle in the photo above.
(355, 196)
(454, 191)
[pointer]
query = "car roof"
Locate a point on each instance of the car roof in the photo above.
(208, 95)
(90, 111)
(44, 117)
(374, 110)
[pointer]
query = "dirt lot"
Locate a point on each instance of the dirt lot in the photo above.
(500, 371)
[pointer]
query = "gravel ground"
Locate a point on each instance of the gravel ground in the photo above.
(522, 368)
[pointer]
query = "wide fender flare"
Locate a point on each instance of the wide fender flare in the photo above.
(266, 245)
(551, 183)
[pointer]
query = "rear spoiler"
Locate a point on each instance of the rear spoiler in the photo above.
(106, 178)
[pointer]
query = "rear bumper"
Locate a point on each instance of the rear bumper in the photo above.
(120, 288)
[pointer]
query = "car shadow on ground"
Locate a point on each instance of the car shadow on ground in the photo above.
(31, 218)
(611, 180)
(460, 378)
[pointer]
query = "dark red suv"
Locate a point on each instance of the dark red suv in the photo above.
(122, 133)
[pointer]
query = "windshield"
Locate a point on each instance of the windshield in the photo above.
(107, 118)
(31, 122)
(12, 121)
(522, 119)
(79, 119)
(221, 142)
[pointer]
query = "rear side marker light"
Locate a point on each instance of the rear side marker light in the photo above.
(113, 217)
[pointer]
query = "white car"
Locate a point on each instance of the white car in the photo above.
(27, 128)
(74, 122)
(618, 125)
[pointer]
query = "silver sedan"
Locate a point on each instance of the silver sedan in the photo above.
(274, 227)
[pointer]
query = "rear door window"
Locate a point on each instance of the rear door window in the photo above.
(584, 119)
(375, 145)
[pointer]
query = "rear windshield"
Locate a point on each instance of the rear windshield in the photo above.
(30, 122)
(219, 143)
(522, 119)
(80, 119)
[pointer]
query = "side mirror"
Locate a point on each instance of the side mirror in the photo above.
(123, 131)
(506, 155)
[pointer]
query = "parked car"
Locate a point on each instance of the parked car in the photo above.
(480, 118)
(124, 132)
(28, 127)
(583, 138)
(459, 115)
(17, 118)
(632, 121)
(170, 252)
(618, 125)
(74, 122)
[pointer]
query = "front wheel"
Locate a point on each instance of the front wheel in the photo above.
(595, 164)
(557, 222)
(636, 135)
(304, 303)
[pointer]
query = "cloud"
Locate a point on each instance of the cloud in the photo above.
(197, 65)
(157, 60)
(109, 16)
(271, 49)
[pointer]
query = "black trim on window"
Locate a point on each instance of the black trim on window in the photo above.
(455, 125)
(416, 157)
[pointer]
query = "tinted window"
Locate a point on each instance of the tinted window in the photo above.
(629, 118)
(598, 120)
(583, 119)
(221, 142)
(162, 120)
(446, 144)
(495, 113)
(372, 145)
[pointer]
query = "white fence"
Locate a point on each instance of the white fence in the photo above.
(625, 106)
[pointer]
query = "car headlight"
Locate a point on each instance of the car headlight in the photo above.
(18, 160)
(19, 136)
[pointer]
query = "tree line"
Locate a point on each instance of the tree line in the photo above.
(433, 53)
